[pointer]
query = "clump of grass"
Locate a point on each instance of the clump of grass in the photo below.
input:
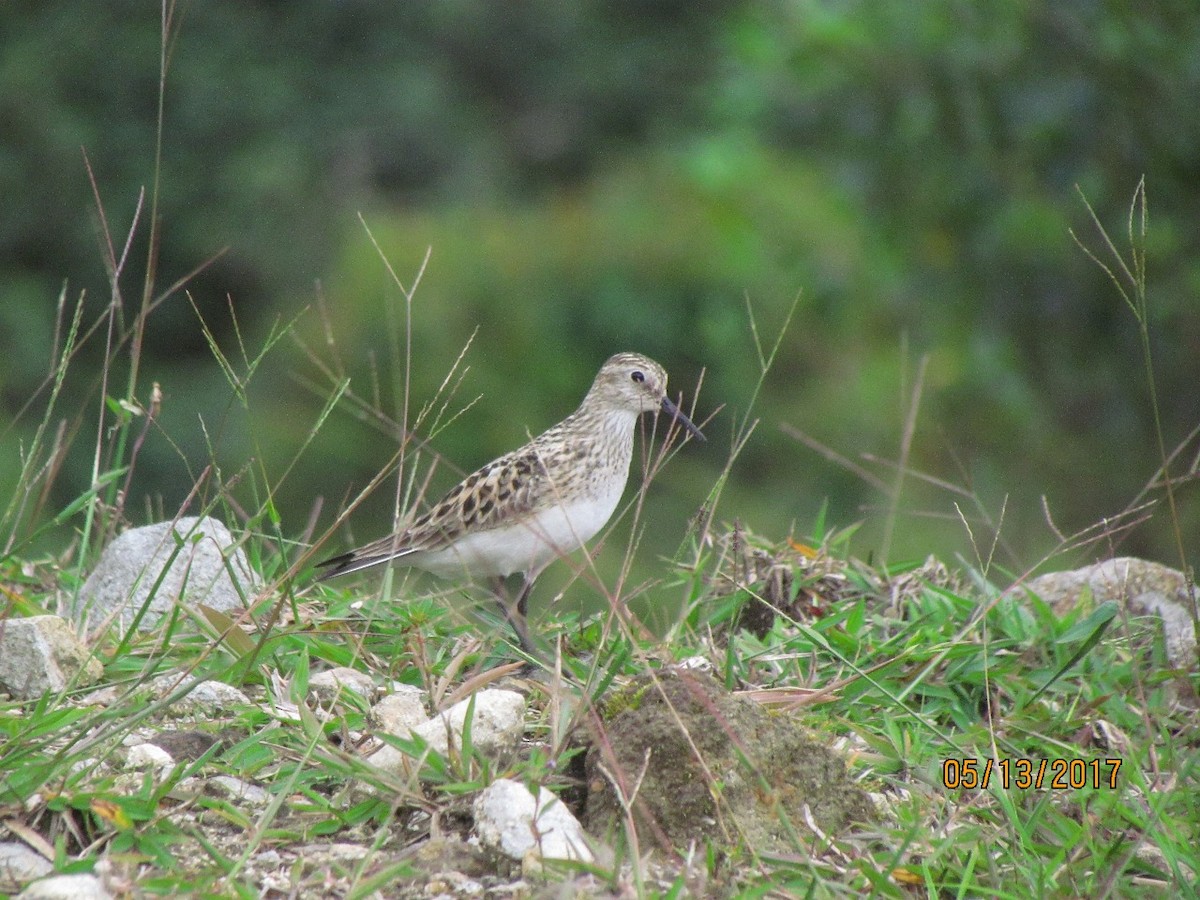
(1127, 271)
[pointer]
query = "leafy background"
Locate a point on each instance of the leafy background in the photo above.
(594, 177)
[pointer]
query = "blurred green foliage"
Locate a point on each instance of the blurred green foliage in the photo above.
(594, 177)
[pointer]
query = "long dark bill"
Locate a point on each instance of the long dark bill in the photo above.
(677, 415)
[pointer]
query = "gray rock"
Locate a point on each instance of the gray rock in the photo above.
(1144, 588)
(510, 819)
(42, 653)
(66, 887)
(198, 557)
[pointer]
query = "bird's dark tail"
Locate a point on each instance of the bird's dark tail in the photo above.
(353, 561)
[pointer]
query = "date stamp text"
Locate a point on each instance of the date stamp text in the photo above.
(1024, 774)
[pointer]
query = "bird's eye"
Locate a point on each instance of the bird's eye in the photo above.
(639, 377)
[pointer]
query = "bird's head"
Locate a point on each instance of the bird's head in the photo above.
(633, 383)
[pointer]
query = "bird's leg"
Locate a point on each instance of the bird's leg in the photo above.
(515, 612)
(523, 597)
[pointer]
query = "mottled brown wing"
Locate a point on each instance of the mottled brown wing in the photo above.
(484, 499)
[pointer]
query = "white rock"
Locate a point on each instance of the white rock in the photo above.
(42, 653)
(88, 764)
(326, 686)
(388, 759)
(236, 789)
(461, 885)
(271, 883)
(341, 850)
(150, 756)
(139, 736)
(66, 887)
(496, 727)
(186, 790)
(510, 819)
(197, 556)
(19, 864)
(399, 713)
(206, 697)
(109, 695)
(217, 696)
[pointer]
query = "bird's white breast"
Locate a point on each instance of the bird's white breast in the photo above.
(528, 544)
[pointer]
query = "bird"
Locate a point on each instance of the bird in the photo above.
(546, 499)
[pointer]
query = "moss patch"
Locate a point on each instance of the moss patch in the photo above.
(705, 765)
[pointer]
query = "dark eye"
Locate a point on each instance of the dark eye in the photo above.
(639, 377)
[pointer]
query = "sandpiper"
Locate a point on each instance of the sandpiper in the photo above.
(524, 510)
